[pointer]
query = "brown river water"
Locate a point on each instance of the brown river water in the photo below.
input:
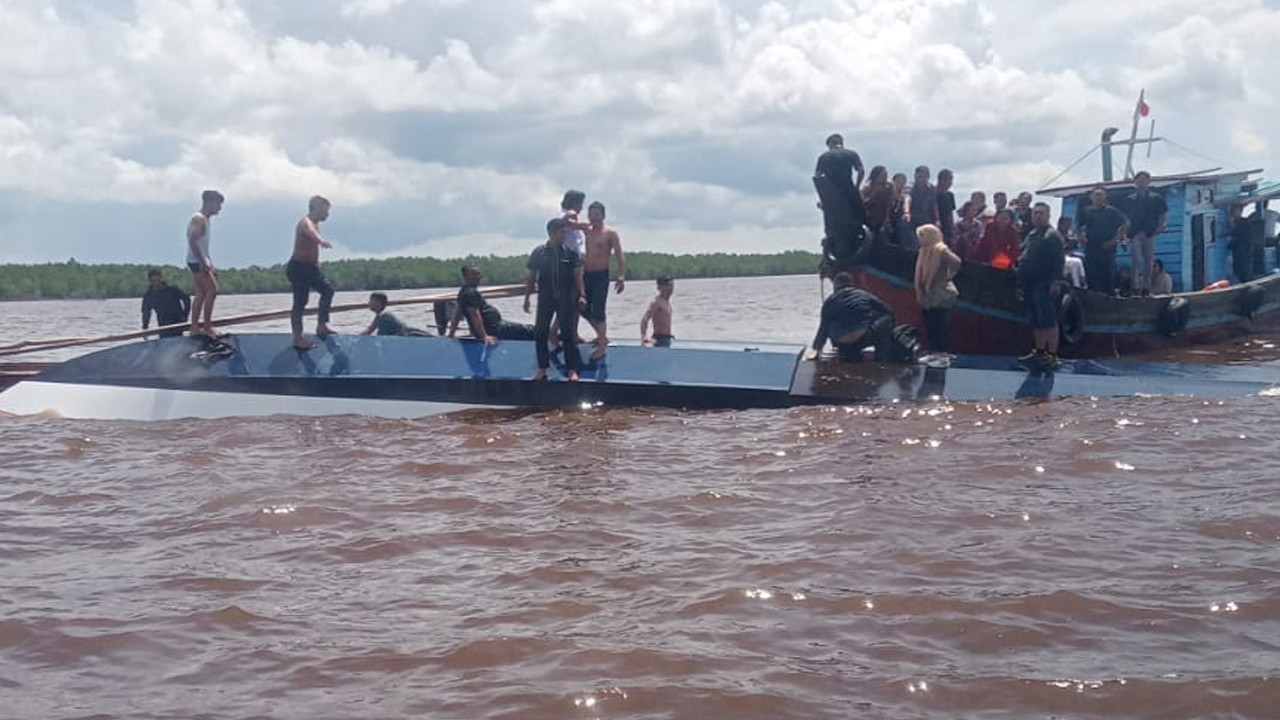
(1078, 558)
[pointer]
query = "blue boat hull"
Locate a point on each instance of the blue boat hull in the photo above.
(258, 374)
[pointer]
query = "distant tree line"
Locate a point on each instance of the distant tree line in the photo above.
(73, 280)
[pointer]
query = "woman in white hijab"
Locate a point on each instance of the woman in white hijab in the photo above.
(936, 265)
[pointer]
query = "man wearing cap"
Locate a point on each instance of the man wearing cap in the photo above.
(556, 272)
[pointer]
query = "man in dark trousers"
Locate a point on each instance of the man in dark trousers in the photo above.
(1102, 226)
(841, 200)
(482, 317)
(556, 272)
(171, 305)
(853, 320)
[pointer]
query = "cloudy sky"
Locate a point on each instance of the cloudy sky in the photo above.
(444, 127)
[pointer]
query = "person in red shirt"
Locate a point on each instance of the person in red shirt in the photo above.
(1000, 244)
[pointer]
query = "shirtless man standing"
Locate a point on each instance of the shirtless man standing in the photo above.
(199, 232)
(303, 271)
(602, 243)
(660, 313)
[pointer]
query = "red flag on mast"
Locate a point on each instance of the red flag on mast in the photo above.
(1143, 108)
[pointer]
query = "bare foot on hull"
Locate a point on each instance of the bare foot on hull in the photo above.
(540, 375)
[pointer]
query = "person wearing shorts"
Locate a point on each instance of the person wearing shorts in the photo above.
(1040, 268)
(602, 245)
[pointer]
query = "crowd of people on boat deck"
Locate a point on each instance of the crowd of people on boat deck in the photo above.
(1015, 236)
(886, 210)
(569, 273)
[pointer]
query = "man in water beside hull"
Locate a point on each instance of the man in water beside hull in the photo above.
(171, 305)
(843, 215)
(853, 320)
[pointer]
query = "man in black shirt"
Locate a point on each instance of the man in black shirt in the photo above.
(170, 304)
(1147, 213)
(1040, 269)
(946, 207)
(556, 272)
(483, 318)
(842, 211)
(854, 319)
(1103, 226)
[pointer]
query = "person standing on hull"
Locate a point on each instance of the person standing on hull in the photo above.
(575, 239)
(837, 168)
(482, 317)
(602, 244)
(1102, 226)
(936, 266)
(303, 271)
(556, 272)
(1040, 274)
(1148, 214)
(204, 274)
(171, 305)
(853, 320)
(660, 313)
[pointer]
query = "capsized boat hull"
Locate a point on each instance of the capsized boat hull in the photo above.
(261, 374)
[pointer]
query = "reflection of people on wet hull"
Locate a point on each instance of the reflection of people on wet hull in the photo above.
(843, 215)
(853, 320)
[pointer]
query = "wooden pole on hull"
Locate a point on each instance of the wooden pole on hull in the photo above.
(496, 291)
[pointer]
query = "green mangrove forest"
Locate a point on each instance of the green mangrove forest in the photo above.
(74, 280)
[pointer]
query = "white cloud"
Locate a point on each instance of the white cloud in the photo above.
(461, 121)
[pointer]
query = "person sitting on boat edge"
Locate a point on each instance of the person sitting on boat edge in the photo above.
(1040, 269)
(556, 272)
(483, 319)
(660, 313)
(171, 305)
(1161, 282)
(385, 322)
(852, 320)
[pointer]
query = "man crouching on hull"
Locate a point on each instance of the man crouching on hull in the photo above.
(556, 272)
(853, 320)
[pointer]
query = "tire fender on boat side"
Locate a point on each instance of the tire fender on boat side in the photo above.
(1071, 319)
(1250, 300)
(1174, 316)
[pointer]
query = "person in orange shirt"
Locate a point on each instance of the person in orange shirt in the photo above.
(1000, 244)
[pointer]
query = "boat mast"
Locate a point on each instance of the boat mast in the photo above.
(1139, 111)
